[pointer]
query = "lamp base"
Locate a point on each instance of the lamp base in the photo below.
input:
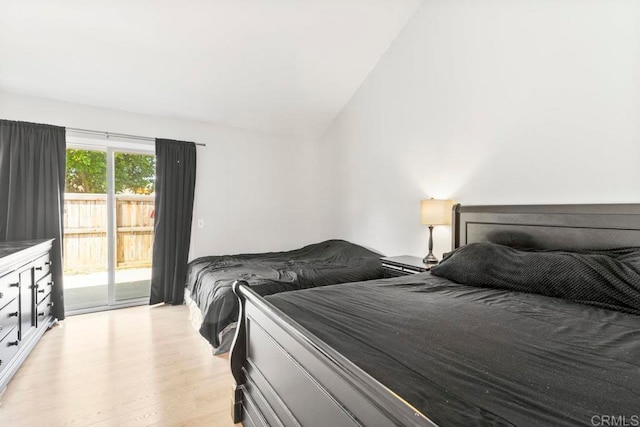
(430, 259)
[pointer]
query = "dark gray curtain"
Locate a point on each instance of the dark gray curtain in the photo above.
(175, 183)
(32, 169)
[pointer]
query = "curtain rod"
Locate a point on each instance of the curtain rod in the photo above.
(118, 135)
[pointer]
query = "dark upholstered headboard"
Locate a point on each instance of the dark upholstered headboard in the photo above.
(569, 227)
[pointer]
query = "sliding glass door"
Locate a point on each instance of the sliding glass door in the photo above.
(133, 237)
(108, 228)
(86, 250)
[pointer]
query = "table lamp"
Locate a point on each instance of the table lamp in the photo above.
(434, 212)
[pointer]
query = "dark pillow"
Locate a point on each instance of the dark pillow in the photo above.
(609, 278)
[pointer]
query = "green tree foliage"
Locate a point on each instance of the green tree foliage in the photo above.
(135, 173)
(87, 172)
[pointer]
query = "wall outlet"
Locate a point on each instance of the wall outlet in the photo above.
(200, 223)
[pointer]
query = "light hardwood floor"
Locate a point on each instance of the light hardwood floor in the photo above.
(132, 367)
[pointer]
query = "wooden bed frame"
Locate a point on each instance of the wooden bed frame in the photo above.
(284, 375)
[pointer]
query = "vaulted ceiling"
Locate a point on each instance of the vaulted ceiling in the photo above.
(278, 66)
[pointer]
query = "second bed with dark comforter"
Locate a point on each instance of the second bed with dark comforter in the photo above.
(465, 355)
(326, 263)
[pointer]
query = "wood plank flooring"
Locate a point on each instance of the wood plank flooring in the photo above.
(132, 367)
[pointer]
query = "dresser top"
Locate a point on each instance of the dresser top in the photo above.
(9, 248)
(12, 252)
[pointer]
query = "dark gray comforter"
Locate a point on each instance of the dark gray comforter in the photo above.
(468, 356)
(327, 263)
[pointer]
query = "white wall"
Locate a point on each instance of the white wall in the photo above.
(252, 190)
(488, 102)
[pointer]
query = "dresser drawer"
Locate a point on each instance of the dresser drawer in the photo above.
(9, 317)
(9, 346)
(43, 312)
(43, 287)
(9, 288)
(41, 267)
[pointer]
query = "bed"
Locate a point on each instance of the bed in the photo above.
(424, 350)
(214, 308)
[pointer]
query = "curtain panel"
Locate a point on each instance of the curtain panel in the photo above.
(32, 174)
(175, 184)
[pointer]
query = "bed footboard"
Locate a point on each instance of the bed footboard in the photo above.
(286, 376)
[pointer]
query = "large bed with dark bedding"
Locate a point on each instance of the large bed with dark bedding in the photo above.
(467, 356)
(209, 280)
(541, 329)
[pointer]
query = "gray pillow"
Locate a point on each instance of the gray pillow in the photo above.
(608, 278)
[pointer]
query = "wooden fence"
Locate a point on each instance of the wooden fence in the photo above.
(85, 232)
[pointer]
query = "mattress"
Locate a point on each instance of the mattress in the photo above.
(466, 356)
(210, 279)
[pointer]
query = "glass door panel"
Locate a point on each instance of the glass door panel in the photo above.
(85, 230)
(134, 216)
(108, 228)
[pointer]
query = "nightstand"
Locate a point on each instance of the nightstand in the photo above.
(403, 265)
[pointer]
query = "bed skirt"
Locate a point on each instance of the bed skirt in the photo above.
(196, 318)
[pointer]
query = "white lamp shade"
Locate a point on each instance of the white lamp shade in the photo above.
(436, 212)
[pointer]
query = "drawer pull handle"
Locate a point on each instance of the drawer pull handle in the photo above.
(41, 314)
(49, 283)
(1, 295)
(47, 263)
(39, 268)
(15, 285)
(12, 343)
(49, 304)
(14, 314)
(41, 291)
